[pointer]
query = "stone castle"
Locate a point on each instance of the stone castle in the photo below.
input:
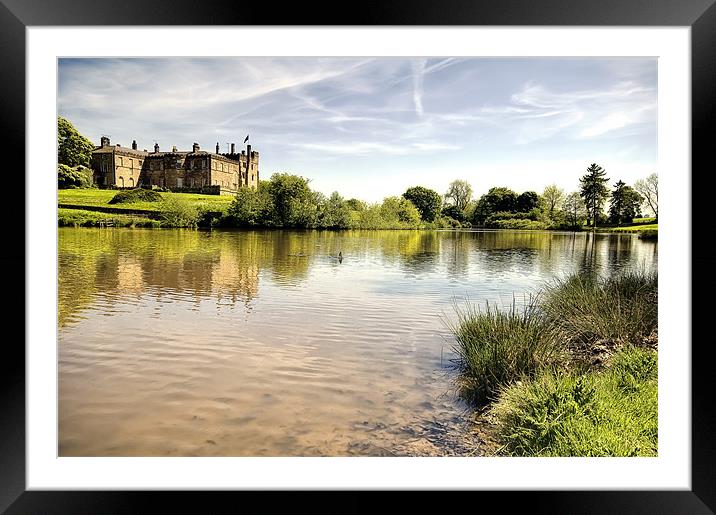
(196, 171)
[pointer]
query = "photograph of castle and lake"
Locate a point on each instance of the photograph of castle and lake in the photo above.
(357, 256)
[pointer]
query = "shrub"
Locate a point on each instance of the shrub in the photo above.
(586, 308)
(135, 195)
(399, 211)
(250, 207)
(612, 413)
(77, 177)
(497, 347)
(175, 211)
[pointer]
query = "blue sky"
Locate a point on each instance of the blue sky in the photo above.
(372, 127)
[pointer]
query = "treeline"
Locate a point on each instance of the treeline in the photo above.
(288, 201)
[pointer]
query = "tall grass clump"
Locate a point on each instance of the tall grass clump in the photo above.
(585, 308)
(495, 347)
(613, 412)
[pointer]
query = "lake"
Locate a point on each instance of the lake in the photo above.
(265, 343)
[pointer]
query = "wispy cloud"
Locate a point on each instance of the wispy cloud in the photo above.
(341, 119)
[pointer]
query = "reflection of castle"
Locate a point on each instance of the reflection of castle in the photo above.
(197, 171)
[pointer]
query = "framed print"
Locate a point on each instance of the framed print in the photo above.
(400, 248)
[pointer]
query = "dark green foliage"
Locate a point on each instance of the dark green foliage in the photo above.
(135, 195)
(625, 204)
(500, 199)
(527, 201)
(594, 192)
(73, 149)
(426, 200)
(78, 177)
(455, 213)
(609, 413)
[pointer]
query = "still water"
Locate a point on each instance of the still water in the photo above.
(264, 343)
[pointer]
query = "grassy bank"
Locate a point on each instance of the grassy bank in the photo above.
(572, 373)
(83, 218)
(101, 198)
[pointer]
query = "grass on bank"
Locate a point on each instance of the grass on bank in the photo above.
(586, 309)
(98, 198)
(613, 412)
(543, 367)
(83, 218)
(495, 346)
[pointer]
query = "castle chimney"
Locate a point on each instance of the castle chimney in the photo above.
(195, 147)
(156, 147)
(233, 149)
(104, 141)
(217, 147)
(134, 144)
(174, 148)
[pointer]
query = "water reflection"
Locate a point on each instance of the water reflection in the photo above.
(177, 342)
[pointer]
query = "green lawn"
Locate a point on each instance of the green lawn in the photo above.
(97, 197)
(82, 218)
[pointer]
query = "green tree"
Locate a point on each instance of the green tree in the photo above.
(496, 200)
(426, 200)
(574, 209)
(334, 213)
(294, 204)
(454, 212)
(73, 149)
(649, 189)
(251, 207)
(459, 194)
(78, 177)
(624, 203)
(594, 192)
(552, 196)
(176, 211)
(399, 209)
(527, 201)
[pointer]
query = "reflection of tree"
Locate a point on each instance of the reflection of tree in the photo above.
(225, 265)
(455, 250)
(290, 254)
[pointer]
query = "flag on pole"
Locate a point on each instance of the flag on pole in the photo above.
(246, 139)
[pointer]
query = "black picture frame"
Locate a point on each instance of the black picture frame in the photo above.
(16, 15)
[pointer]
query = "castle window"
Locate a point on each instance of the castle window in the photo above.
(131, 182)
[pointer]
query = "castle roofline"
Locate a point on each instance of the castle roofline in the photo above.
(113, 149)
